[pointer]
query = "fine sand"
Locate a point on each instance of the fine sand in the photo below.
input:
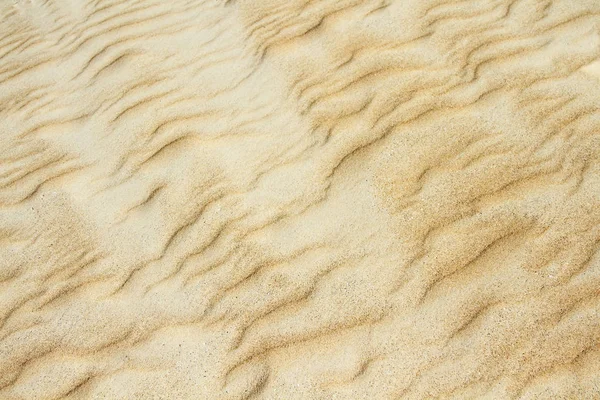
(299, 199)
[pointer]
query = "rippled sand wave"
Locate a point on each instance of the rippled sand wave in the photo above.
(299, 199)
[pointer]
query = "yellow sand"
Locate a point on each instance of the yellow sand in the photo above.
(299, 199)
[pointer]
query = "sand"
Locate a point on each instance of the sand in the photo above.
(299, 199)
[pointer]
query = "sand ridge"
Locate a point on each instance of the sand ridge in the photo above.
(299, 199)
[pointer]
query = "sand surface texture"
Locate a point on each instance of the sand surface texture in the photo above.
(299, 199)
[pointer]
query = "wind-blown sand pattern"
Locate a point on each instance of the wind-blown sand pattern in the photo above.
(299, 199)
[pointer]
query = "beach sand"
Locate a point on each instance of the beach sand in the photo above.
(299, 199)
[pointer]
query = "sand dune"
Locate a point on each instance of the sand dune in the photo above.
(299, 199)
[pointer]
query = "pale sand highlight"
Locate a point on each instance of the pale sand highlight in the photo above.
(299, 199)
